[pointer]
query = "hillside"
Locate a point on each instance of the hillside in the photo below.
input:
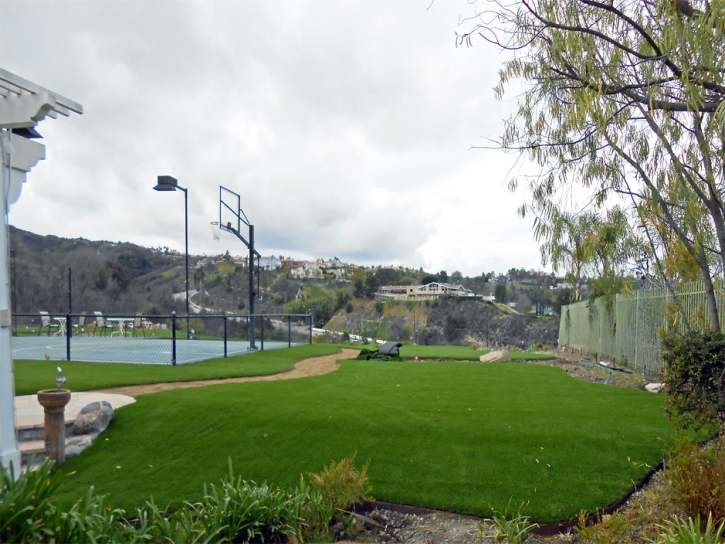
(107, 276)
(123, 278)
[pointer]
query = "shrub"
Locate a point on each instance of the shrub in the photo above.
(678, 531)
(152, 309)
(25, 503)
(509, 528)
(696, 478)
(240, 511)
(234, 511)
(694, 375)
(613, 528)
(213, 280)
(341, 484)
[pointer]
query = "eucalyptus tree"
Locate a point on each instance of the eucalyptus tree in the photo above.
(625, 99)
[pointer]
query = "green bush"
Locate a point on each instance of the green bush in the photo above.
(234, 511)
(696, 479)
(240, 511)
(509, 528)
(26, 504)
(679, 531)
(695, 376)
(213, 280)
(341, 484)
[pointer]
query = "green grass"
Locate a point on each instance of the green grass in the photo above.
(462, 353)
(524, 356)
(170, 273)
(456, 436)
(226, 268)
(32, 376)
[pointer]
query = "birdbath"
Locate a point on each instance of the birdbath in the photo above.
(54, 401)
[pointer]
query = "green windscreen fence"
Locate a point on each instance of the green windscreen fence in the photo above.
(627, 328)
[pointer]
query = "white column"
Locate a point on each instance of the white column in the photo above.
(9, 452)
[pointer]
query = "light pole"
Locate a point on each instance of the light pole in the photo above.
(168, 183)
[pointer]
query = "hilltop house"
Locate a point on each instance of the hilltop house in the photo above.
(423, 292)
(269, 263)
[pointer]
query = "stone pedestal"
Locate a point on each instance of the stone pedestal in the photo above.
(54, 401)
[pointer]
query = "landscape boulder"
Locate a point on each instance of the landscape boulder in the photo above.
(495, 357)
(74, 448)
(93, 418)
(655, 387)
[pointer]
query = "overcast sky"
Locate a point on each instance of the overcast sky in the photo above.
(345, 126)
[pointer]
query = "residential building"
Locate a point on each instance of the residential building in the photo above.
(423, 292)
(269, 263)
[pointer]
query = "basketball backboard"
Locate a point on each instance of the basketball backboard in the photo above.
(231, 215)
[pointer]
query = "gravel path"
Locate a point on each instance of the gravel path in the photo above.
(314, 366)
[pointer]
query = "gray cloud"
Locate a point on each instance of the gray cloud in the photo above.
(343, 125)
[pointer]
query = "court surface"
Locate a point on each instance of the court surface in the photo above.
(154, 351)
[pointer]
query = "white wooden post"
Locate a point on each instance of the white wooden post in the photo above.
(22, 106)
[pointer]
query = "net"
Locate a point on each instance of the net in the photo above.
(216, 232)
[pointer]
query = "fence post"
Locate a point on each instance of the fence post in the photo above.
(289, 331)
(636, 332)
(173, 338)
(68, 334)
(262, 349)
(310, 328)
(225, 335)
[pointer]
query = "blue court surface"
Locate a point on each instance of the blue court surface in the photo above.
(147, 351)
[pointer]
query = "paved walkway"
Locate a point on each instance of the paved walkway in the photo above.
(314, 366)
(29, 412)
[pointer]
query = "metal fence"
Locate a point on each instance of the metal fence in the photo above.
(627, 328)
(153, 339)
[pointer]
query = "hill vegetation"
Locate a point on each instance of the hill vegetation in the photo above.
(124, 278)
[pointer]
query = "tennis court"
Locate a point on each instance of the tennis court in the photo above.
(149, 351)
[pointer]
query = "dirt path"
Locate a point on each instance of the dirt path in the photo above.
(314, 366)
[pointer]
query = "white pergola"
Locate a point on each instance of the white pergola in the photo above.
(22, 106)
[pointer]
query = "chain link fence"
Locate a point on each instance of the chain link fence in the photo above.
(627, 328)
(153, 339)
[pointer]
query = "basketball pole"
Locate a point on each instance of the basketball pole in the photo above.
(240, 218)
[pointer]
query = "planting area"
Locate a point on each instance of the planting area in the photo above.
(460, 437)
(32, 376)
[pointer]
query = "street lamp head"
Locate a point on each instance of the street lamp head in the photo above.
(165, 183)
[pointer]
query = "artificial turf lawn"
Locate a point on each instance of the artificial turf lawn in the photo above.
(461, 437)
(32, 376)
(461, 353)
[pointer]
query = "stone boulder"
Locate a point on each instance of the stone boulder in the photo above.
(93, 418)
(655, 387)
(495, 357)
(75, 447)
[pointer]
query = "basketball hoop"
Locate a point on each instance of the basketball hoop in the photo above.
(216, 232)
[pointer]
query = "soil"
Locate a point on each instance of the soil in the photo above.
(585, 367)
(314, 366)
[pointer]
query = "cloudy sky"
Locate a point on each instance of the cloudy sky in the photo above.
(345, 126)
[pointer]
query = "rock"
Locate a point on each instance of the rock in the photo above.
(77, 447)
(655, 387)
(495, 357)
(93, 418)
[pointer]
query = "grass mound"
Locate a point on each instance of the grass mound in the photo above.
(32, 376)
(462, 353)
(455, 436)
